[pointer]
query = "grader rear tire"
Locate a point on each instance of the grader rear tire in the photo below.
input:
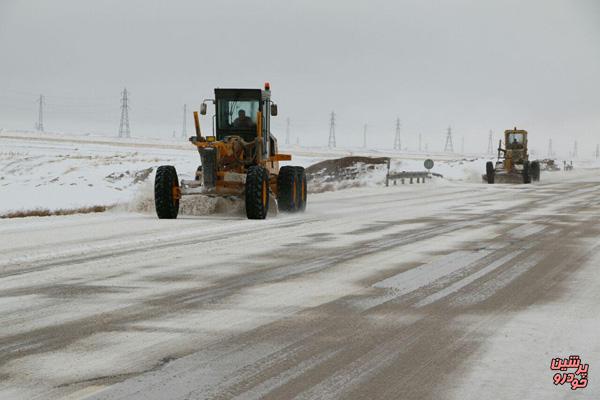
(166, 192)
(526, 172)
(287, 189)
(535, 171)
(302, 193)
(257, 192)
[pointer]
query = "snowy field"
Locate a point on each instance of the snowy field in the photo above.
(51, 172)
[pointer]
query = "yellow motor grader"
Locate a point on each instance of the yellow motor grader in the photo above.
(513, 164)
(240, 158)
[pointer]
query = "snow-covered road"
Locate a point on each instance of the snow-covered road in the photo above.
(435, 291)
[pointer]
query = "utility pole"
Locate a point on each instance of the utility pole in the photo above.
(462, 144)
(550, 151)
(449, 147)
(287, 131)
(365, 136)
(124, 130)
(575, 149)
(491, 143)
(420, 142)
(332, 131)
(40, 124)
(184, 126)
(397, 139)
(597, 151)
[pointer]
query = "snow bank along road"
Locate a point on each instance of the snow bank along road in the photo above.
(418, 291)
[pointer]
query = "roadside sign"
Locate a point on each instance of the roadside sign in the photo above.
(428, 163)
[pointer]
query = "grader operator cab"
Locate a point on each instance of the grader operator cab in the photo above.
(513, 164)
(240, 158)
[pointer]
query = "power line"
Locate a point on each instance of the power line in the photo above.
(40, 124)
(124, 130)
(449, 147)
(397, 139)
(76, 98)
(331, 143)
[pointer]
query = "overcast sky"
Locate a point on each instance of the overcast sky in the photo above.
(473, 64)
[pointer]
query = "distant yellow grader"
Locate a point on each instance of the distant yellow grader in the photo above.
(512, 165)
(240, 158)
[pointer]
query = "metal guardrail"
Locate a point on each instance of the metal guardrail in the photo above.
(404, 176)
(410, 176)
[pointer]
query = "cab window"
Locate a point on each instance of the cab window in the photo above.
(515, 138)
(237, 114)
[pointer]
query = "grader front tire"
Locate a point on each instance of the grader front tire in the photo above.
(490, 172)
(166, 192)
